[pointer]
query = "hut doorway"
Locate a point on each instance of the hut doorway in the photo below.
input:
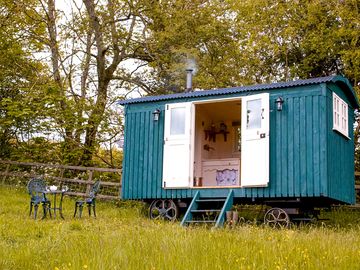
(217, 144)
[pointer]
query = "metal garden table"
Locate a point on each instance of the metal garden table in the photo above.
(54, 206)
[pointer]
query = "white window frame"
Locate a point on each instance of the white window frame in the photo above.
(340, 115)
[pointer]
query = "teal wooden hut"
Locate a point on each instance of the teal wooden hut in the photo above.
(289, 145)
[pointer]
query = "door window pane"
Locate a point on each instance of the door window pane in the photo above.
(253, 114)
(177, 122)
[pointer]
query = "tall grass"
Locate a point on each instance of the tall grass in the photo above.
(122, 237)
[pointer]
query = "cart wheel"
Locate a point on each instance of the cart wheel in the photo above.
(277, 218)
(163, 209)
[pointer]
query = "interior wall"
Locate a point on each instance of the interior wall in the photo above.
(220, 148)
(212, 115)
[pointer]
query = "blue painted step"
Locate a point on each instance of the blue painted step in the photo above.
(206, 207)
(200, 221)
(205, 210)
(212, 200)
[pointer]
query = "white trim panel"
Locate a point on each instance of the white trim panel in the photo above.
(255, 140)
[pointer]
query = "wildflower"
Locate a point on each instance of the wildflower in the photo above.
(85, 266)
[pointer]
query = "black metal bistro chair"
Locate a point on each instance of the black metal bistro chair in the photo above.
(90, 201)
(36, 188)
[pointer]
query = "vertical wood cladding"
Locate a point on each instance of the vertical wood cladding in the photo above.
(307, 158)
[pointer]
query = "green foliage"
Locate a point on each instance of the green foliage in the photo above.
(194, 34)
(122, 237)
(229, 43)
(302, 38)
(111, 156)
(37, 149)
(254, 41)
(21, 82)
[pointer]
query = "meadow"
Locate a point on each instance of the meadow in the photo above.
(122, 237)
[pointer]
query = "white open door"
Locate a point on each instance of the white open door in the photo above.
(178, 160)
(255, 140)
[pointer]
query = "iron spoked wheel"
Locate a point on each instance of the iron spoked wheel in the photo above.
(163, 209)
(277, 218)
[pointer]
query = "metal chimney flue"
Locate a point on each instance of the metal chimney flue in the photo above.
(189, 73)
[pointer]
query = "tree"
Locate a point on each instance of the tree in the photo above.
(102, 37)
(197, 34)
(21, 80)
(302, 39)
(253, 41)
(103, 51)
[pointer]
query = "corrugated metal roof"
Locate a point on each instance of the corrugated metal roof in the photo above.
(233, 90)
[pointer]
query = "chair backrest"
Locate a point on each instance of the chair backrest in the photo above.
(94, 189)
(36, 186)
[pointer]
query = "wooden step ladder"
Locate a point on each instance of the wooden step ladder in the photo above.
(205, 210)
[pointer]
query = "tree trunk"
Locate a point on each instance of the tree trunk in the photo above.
(93, 124)
(84, 78)
(55, 61)
(104, 75)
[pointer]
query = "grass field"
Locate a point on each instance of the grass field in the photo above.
(122, 237)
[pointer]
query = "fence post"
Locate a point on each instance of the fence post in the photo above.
(88, 186)
(61, 177)
(120, 188)
(6, 172)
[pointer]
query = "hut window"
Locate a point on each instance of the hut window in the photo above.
(253, 114)
(177, 125)
(340, 115)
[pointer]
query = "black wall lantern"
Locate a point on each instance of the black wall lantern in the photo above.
(279, 103)
(156, 115)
